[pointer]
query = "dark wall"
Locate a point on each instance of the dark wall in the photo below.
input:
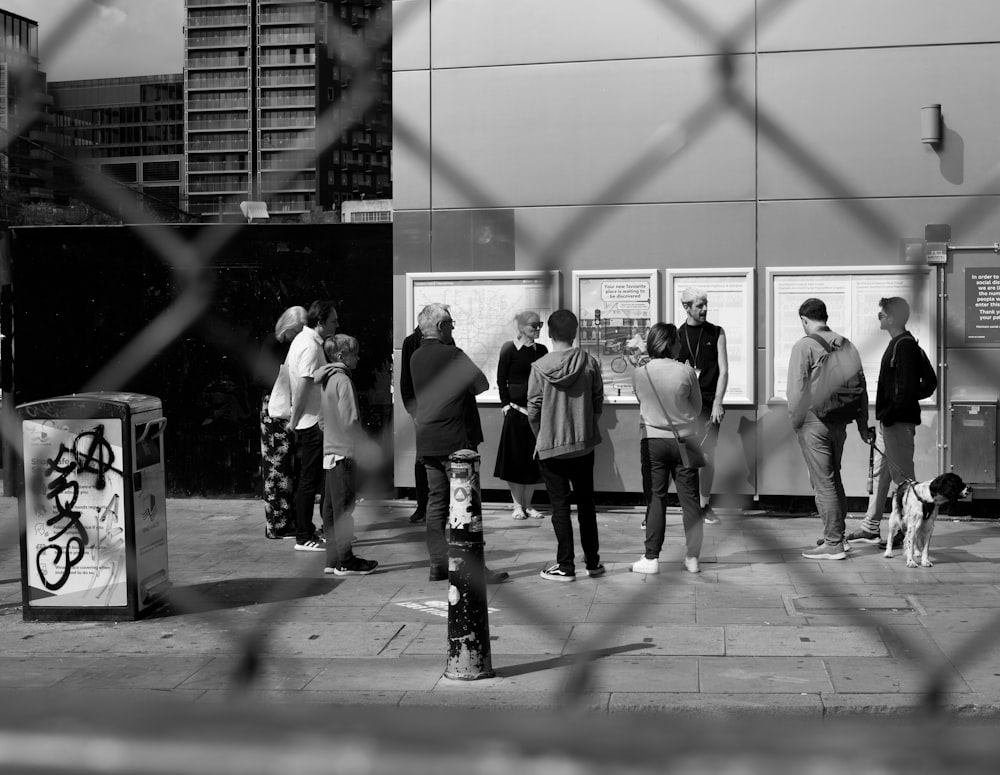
(81, 294)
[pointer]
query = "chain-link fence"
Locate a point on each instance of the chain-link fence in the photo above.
(563, 740)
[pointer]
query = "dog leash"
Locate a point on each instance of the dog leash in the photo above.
(875, 448)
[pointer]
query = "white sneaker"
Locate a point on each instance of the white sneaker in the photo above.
(645, 565)
(691, 565)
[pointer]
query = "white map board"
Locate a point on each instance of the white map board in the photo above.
(730, 305)
(851, 294)
(483, 305)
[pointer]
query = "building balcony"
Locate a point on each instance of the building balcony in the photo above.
(217, 166)
(217, 146)
(220, 186)
(218, 126)
(216, 105)
(218, 3)
(217, 84)
(217, 20)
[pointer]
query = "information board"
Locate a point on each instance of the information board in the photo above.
(616, 309)
(851, 295)
(982, 301)
(730, 305)
(483, 305)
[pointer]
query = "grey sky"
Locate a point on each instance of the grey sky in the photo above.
(106, 38)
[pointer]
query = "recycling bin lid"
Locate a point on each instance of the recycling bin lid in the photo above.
(136, 402)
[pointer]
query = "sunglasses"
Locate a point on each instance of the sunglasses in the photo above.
(534, 325)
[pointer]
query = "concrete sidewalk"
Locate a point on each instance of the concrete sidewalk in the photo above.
(761, 628)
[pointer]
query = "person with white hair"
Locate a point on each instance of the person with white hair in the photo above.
(277, 452)
(703, 347)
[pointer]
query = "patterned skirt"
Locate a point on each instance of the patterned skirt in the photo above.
(279, 475)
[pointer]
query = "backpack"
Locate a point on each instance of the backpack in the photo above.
(838, 392)
(926, 374)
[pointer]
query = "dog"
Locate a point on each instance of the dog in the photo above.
(915, 508)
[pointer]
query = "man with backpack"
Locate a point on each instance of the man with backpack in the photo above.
(826, 391)
(904, 377)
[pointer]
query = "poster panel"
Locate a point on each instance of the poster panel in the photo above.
(74, 504)
(852, 297)
(483, 305)
(982, 298)
(730, 305)
(616, 309)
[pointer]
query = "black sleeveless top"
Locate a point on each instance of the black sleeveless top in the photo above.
(700, 349)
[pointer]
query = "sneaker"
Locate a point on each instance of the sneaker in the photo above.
(518, 514)
(862, 536)
(496, 576)
(646, 565)
(417, 517)
(897, 541)
(312, 545)
(356, 566)
(558, 573)
(598, 570)
(691, 565)
(821, 541)
(534, 513)
(826, 552)
(643, 525)
(709, 516)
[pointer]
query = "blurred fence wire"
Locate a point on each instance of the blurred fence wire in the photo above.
(514, 745)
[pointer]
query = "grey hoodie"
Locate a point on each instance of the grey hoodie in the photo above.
(565, 399)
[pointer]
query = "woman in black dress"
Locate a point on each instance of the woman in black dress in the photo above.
(516, 463)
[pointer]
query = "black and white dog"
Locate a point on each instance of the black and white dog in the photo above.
(915, 507)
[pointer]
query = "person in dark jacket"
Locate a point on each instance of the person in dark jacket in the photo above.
(446, 383)
(897, 410)
(410, 345)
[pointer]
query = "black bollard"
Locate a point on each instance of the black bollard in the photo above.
(468, 619)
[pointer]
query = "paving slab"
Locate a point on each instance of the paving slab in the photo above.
(504, 639)
(649, 640)
(375, 674)
(854, 675)
(735, 675)
(809, 641)
(273, 673)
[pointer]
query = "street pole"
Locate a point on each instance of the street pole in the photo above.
(468, 619)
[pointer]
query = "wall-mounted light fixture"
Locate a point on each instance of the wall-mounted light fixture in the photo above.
(930, 124)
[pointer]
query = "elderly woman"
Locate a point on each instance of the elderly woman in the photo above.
(669, 405)
(515, 455)
(277, 456)
(703, 347)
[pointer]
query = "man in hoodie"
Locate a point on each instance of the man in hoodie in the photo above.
(822, 438)
(343, 439)
(565, 399)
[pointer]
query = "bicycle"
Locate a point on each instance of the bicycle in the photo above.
(621, 362)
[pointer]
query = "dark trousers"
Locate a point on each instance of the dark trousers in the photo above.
(309, 449)
(423, 489)
(438, 499)
(338, 512)
(563, 476)
(664, 462)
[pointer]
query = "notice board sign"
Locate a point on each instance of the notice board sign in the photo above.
(483, 305)
(851, 294)
(616, 308)
(730, 305)
(982, 302)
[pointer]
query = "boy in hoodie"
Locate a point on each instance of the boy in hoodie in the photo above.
(342, 435)
(565, 399)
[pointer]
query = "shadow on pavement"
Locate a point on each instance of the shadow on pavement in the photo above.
(238, 593)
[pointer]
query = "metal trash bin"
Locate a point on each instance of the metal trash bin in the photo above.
(93, 510)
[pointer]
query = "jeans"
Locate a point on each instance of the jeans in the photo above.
(338, 512)
(560, 475)
(664, 462)
(822, 445)
(438, 501)
(896, 441)
(309, 449)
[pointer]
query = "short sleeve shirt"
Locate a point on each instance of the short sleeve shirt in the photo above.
(305, 356)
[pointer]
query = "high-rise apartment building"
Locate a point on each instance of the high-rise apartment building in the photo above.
(259, 78)
(25, 169)
(129, 129)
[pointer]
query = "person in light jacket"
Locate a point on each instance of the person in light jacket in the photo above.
(565, 400)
